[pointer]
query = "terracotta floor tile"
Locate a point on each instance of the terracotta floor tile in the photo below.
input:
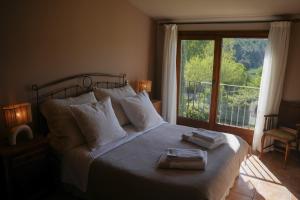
(267, 179)
(293, 197)
(271, 191)
(237, 196)
(244, 186)
(258, 196)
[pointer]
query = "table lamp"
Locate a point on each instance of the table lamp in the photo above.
(144, 85)
(16, 118)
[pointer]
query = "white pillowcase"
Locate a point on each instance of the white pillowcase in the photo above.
(140, 111)
(116, 94)
(98, 123)
(64, 132)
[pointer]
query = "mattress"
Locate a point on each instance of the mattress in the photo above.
(130, 170)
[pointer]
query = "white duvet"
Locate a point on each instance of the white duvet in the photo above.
(76, 162)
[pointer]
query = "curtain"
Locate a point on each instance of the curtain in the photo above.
(272, 76)
(169, 87)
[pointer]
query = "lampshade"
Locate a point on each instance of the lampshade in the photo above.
(18, 114)
(144, 85)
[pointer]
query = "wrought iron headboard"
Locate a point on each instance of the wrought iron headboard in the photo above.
(73, 86)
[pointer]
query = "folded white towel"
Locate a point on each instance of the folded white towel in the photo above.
(167, 162)
(185, 154)
(209, 136)
(189, 137)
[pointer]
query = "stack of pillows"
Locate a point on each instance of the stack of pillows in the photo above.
(96, 118)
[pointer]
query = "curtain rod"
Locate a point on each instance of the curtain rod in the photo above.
(230, 22)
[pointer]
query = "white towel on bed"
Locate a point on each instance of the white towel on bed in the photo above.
(185, 154)
(209, 136)
(188, 159)
(189, 137)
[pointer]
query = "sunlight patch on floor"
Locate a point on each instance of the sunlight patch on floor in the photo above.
(260, 183)
(253, 167)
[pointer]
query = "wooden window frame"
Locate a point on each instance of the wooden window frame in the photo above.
(217, 36)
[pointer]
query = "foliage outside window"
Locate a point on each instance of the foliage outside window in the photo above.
(241, 69)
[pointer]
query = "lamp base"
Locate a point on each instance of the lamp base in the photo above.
(18, 129)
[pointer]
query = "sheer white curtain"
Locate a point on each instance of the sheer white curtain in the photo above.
(169, 89)
(272, 76)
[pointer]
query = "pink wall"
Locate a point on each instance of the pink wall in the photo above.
(292, 78)
(45, 40)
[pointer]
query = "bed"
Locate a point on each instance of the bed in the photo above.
(127, 167)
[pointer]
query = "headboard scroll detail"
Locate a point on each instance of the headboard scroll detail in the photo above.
(76, 85)
(73, 86)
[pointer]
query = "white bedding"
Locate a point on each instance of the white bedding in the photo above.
(76, 162)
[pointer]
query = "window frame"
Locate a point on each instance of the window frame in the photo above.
(217, 36)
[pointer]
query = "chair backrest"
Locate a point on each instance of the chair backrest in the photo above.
(271, 121)
(289, 114)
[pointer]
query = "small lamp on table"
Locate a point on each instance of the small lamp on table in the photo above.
(144, 85)
(16, 118)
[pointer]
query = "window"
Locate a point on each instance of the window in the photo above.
(196, 78)
(219, 78)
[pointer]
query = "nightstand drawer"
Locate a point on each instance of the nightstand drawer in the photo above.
(31, 178)
(27, 170)
(29, 157)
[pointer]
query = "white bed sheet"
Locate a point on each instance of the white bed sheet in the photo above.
(76, 162)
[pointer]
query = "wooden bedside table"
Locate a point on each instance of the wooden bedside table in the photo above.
(26, 169)
(157, 105)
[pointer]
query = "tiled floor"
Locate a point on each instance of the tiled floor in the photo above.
(267, 179)
(258, 180)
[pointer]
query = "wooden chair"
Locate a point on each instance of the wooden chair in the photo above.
(276, 130)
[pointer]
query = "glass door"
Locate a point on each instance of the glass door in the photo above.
(240, 75)
(196, 78)
(218, 80)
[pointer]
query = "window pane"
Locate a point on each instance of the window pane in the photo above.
(241, 69)
(196, 67)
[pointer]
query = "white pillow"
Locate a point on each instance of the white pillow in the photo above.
(140, 111)
(116, 94)
(64, 132)
(98, 123)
